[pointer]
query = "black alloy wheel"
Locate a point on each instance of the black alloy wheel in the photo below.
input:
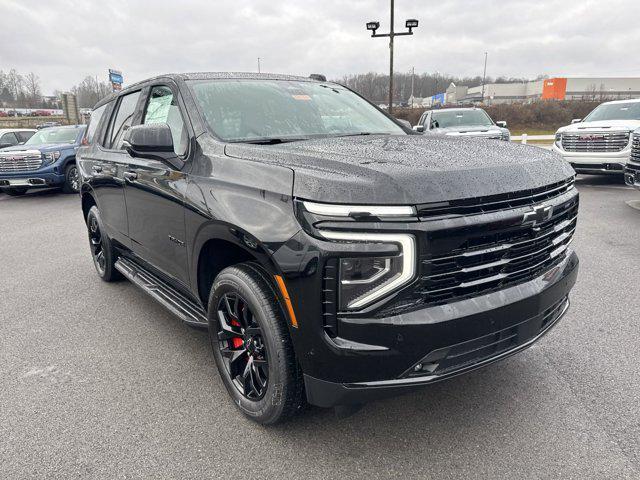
(95, 243)
(242, 346)
(251, 345)
(102, 252)
(71, 180)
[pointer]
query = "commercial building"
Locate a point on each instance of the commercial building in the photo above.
(559, 88)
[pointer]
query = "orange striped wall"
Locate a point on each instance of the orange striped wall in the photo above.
(554, 89)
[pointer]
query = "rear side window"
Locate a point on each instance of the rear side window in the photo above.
(121, 120)
(24, 136)
(96, 116)
(8, 139)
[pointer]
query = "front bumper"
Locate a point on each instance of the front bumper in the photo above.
(447, 340)
(632, 175)
(50, 176)
(596, 163)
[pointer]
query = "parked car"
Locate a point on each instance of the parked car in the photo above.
(10, 137)
(632, 169)
(334, 255)
(601, 142)
(462, 122)
(48, 125)
(47, 159)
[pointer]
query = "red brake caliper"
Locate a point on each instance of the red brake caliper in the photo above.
(236, 342)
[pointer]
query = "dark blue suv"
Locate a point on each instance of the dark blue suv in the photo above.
(47, 159)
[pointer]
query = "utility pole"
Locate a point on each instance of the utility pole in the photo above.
(484, 75)
(373, 26)
(258, 64)
(413, 75)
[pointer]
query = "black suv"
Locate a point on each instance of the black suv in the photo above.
(334, 256)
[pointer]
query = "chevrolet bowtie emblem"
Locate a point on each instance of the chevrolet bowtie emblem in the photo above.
(538, 215)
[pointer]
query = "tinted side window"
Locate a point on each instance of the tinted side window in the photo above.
(24, 136)
(121, 120)
(9, 139)
(96, 116)
(163, 108)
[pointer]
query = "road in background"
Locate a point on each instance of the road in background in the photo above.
(99, 381)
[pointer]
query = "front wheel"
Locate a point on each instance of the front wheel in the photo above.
(71, 179)
(252, 346)
(102, 251)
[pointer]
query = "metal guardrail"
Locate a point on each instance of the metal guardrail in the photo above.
(524, 138)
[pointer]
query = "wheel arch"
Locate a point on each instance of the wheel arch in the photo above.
(238, 247)
(88, 200)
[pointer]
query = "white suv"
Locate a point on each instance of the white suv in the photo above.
(601, 142)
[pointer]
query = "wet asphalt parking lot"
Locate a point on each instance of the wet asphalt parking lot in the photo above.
(97, 381)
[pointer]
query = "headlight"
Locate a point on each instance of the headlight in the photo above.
(364, 280)
(51, 157)
(558, 140)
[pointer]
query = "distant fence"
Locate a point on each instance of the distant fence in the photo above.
(30, 122)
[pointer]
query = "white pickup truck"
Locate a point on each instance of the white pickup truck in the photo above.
(601, 142)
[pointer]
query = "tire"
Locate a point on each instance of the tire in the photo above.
(260, 331)
(16, 191)
(102, 252)
(71, 179)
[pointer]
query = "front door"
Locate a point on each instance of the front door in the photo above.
(154, 192)
(107, 163)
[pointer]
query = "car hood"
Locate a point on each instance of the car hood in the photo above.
(407, 169)
(469, 130)
(44, 148)
(613, 125)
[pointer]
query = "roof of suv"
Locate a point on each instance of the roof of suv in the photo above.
(6, 130)
(211, 76)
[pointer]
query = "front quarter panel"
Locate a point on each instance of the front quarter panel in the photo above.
(247, 203)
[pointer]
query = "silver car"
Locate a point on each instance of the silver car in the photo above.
(467, 122)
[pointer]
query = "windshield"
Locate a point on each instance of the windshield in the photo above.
(246, 110)
(54, 135)
(460, 118)
(615, 111)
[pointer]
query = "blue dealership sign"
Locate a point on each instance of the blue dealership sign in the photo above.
(116, 79)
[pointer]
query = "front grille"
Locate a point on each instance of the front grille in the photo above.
(635, 148)
(466, 354)
(20, 162)
(605, 142)
(471, 261)
(492, 203)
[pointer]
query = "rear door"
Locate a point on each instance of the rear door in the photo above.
(109, 161)
(155, 190)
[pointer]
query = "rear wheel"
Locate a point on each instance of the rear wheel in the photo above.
(252, 346)
(71, 179)
(102, 251)
(15, 191)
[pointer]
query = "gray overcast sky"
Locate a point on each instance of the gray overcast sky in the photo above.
(62, 41)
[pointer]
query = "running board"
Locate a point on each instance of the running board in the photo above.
(181, 306)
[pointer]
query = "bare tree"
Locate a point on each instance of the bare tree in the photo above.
(33, 92)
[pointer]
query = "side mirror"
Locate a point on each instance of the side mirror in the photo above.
(502, 124)
(403, 122)
(418, 128)
(576, 120)
(153, 142)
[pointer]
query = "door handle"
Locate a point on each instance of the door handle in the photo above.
(96, 169)
(130, 176)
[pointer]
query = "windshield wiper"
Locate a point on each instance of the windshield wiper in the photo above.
(269, 140)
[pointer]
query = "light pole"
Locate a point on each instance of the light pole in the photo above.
(484, 76)
(258, 64)
(373, 26)
(413, 74)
